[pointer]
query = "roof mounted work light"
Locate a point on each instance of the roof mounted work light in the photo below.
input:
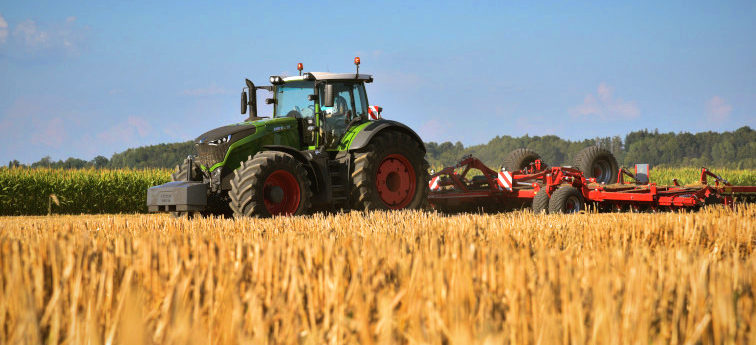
(308, 76)
(276, 80)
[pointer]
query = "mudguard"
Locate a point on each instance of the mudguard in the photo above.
(363, 137)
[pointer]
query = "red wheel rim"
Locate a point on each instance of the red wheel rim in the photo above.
(395, 181)
(281, 193)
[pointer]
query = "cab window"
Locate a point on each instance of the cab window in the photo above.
(360, 101)
(292, 101)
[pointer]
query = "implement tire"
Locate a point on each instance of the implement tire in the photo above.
(566, 199)
(390, 172)
(541, 202)
(270, 184)
(520, 159)
(599, 163)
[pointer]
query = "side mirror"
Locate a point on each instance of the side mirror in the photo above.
(270, 101)
(244, 102)
(329, 96)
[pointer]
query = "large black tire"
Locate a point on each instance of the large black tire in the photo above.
(541, 202)
(520, 159)
(566, 199)
(596, 162)
(270, 183)
(390, 173)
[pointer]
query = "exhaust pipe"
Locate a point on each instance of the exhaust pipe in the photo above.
(252, 100)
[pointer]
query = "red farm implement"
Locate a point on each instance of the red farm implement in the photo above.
(471, 185)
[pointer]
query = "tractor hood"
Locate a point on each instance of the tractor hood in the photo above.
(228, 133)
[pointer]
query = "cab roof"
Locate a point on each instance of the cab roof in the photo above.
(332, 76)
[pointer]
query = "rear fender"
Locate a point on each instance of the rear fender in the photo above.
(361, 139)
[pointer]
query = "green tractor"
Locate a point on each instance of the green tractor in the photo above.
(324, 148)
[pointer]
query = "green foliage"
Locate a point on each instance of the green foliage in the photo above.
(728, 149)
(28, 191)
(166, 156)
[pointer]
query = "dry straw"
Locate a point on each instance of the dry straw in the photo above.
(381, 278)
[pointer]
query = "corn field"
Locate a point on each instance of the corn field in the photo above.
(42, 191)
(381, 278)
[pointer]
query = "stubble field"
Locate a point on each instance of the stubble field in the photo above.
(384, 278)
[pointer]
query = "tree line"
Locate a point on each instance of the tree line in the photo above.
(736, 149)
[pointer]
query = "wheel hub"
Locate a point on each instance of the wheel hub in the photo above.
(281, 193)
(602, 171)
(275, 194)
(395, 181)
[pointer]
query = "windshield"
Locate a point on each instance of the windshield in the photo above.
(291, 99)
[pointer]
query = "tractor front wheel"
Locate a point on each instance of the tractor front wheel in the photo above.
(270, 184)
(391, 173)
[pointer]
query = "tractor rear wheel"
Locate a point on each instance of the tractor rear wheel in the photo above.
(566, 199)
(599, 163)
(391, 173)
(520, 159)
(270, 184)
(541, 202)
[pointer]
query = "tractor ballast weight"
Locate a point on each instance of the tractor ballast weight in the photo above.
(323, 148)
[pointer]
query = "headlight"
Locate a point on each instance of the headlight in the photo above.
(219, 141)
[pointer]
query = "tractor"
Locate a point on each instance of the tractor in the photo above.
(324, 148)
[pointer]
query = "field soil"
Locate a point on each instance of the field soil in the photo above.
(383, 278)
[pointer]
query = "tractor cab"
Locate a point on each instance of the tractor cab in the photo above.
(324, 104)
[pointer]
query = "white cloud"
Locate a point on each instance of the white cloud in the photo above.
(208, 91)
(434, 130)
(50, 133)
(31, 37)
(3, 29)
(604, 105)
(126, 131)
(717, 109)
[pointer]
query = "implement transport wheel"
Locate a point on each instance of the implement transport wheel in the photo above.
(566, 199)
(391, 173)
(541, 202)
(520, 159)
(269, 184)
(596, 162)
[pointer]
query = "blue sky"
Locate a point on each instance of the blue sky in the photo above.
(93, 78)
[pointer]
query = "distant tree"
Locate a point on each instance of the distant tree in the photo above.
(728, 149)
(45, 162)
(14, 164)
(99, 162)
